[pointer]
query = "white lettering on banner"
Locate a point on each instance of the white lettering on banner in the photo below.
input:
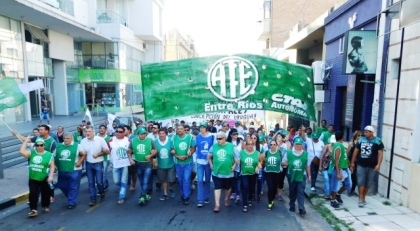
(227, 115)
(238, 70)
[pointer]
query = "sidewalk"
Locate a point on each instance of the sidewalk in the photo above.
(379, 213)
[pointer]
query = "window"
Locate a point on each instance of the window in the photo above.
(267, 9)
(341, 46)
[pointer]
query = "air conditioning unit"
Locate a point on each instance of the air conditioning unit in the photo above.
(145, 46)
(321, 72)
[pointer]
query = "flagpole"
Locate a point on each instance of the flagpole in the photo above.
(1, 119)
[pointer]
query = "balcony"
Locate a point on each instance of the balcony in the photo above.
(110, 16)
(67, 6)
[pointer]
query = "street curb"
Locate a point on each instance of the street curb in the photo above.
(20, 199)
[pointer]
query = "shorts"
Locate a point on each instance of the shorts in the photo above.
(44, 116)
(336, 183)
(132, 169)
(222, 183)
(166, 175)
(365, 176)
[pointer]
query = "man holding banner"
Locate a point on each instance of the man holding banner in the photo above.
(184, 147)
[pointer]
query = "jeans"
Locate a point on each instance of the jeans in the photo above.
(94, 172)
(273, 179)
(143, 175)
(296, 190)
(183, 172)
(34, 187)
(327, 182)
(314, 174)
(260, 182)
(345, 182)
(105, 176)
(69, 184)
(120, 176)
(237, 183)
(203, 190)
(248, 188)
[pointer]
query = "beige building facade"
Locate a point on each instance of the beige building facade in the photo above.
(177, 46)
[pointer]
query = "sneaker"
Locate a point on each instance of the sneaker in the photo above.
(270, 206)
(187, 201)
(302, 212)
(142, 200)
(313, 189)
(364, 202)
(338, 198)
(52, 199)
(238, 199)
(171, 193)
(279, 198)
(206, 201)
(327, 197)
(200, 204)
(233, 196)
(120, 201)
(33, 213)
(148, 197)
(92, 203)
(360, 204)
(181, 199)
(335, 204)
(163, 197)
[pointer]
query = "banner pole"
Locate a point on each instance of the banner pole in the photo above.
(1, 119)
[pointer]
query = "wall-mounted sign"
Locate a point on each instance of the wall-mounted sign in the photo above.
(109, 76)
(360, 54)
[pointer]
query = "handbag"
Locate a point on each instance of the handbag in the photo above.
(315, 160)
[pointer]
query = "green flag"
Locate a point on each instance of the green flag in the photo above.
(227, 83)
(10, 94)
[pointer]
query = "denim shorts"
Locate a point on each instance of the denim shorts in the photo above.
(44, 116)
(336, 183)
(365, 176)
(166, 175)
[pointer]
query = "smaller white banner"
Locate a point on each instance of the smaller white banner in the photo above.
(31, 86)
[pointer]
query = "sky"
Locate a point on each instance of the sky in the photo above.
(218, 27)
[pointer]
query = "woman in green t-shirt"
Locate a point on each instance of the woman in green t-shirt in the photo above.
(273, 168)
(251, 163)
(39, 162)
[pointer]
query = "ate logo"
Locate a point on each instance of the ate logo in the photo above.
(272, 160)
(297, 164)
(248, 161)
(164, 153)
(232, 78)
(65, 154)
(37, 159)
(221, 154)
(141, 148)
(183, 146)
(121, 153)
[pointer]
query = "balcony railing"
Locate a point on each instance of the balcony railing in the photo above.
(110, 16)
(67, 6)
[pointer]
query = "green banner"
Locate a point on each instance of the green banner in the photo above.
(227, 83)
(109, 76)
(10, 94)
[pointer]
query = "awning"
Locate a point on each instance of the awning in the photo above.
(37, 33)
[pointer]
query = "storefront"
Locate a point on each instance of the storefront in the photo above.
(110, 89)
(350, 39)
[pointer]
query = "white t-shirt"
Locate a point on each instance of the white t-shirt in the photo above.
(240, 130)
(218, 127)
(310, 145)
(152, 136)
(119, 156)
(93, 147)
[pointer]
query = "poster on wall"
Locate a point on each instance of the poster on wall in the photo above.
(360, 52)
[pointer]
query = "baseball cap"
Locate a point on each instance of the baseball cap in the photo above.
(203, 124)
(315, 135)
(284, 132)
(298, 141)
(39, 140)
(141, 130)
(369, 128)
(332, 139)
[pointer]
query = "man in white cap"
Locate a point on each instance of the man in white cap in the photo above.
(369, 154)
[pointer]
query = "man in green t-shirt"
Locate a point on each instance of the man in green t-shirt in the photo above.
(322, 128)
(165, 163)
(325, 136)
(341, 171)
(184, 147)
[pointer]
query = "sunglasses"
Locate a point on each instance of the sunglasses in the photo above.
(120, 131)
(220, 138)
(234, 134)
(39, 145)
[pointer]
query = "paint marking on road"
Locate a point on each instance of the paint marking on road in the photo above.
(61, 229)
(94, 207)
(21, 198)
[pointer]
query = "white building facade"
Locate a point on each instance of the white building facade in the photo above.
(87, 52)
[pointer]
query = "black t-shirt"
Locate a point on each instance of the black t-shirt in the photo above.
(368, 151)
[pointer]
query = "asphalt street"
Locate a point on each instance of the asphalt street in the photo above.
(157, 215)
